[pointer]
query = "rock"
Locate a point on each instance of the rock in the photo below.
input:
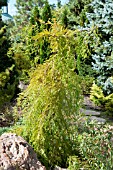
(89, 104)
(16, 153)
(97, 119)
(59, 168)
(88, 112)
(22, 86)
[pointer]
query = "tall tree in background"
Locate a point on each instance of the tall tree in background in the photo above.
(65, 18)
(44, 44)
(102, 18)
(33, 28)
(42, 51)
(77, 15)
(23, 46)
(23, 50)
(23, 15)
(47, 15)
(24, 9)
(59, 3)
(35, 16)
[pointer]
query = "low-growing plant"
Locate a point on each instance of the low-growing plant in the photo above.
(109, 104)
(99, 98)
(95, 148)
(77, 163)
(3, 130)
(97, 95)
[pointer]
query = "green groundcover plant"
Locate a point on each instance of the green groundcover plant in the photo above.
(95, 148)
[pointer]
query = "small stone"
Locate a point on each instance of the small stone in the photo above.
(59, 168)
(98, 119)
(90, 112)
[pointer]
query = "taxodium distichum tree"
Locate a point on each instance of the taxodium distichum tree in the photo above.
(52, 100)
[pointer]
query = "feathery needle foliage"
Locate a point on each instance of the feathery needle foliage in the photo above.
(51, 102)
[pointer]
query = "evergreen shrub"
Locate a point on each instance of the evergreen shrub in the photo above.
(8, 85)
(86, 42)
(98, 97)
(26, 53)
(8, 73)
(101, 17)
(77, 13)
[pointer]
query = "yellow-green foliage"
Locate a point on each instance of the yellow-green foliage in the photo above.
(76, 163)
(22, 61)
(98, 97)
(109, 104)
(51, 102)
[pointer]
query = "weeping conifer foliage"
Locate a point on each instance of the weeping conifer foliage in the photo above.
(52, 100)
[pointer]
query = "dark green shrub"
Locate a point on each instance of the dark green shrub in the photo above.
(35, 16)
(65, 18)
(8, 85)
(46, 15)
(8, 73)
(86, 42)
(77, 13)
(5, 44)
